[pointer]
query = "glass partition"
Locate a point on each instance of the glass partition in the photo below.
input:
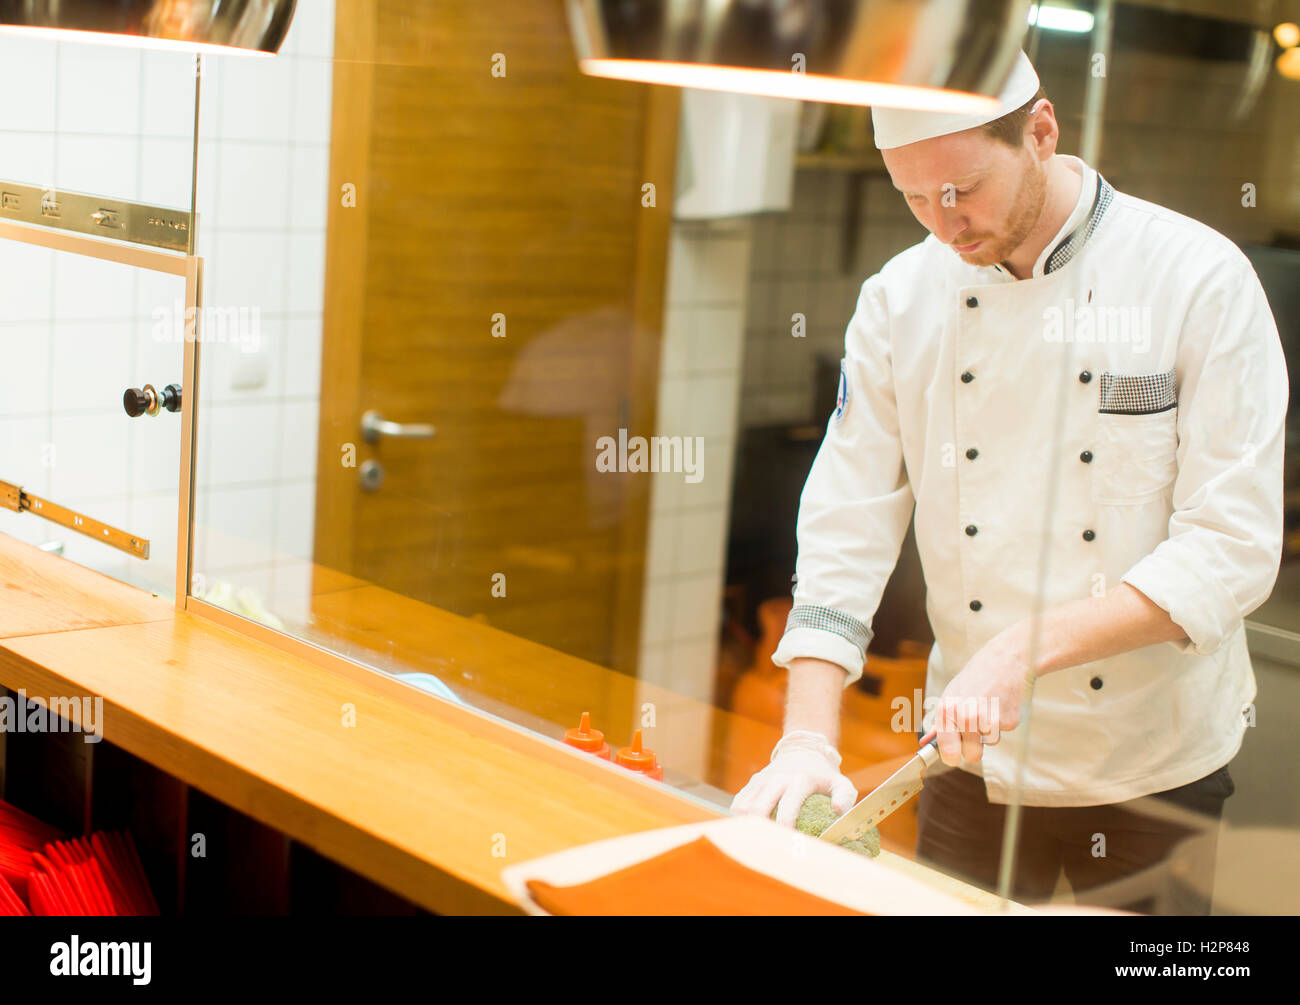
(78, 331)
(77, 334)
(507, 391)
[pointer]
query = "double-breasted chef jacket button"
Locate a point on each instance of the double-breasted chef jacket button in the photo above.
(971, 530)
(1089, 534)
(971, 454)
(967, 377)
(972, 301)
(1095, 683)
(975, 605)
(1086, 457)
(1085, 376)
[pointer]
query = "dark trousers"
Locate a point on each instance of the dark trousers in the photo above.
(960, 833)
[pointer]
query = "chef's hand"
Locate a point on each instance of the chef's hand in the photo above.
(983, 700)
(803, 762)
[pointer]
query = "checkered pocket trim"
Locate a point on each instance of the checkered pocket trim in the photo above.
(1137, 394)
(827, 619)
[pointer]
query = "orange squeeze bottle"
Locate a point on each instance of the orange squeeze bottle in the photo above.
(638, 758)
(587, 739)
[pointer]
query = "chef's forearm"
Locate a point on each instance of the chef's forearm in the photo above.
(813, 697)
(1094, 628)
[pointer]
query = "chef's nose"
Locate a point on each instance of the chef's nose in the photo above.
(949, 223)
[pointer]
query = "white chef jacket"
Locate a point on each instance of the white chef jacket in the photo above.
(955, 382)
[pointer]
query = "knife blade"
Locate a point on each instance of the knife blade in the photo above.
(885, 798)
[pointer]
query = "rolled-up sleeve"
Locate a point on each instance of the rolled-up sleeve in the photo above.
(856, 504)
(1221, 557)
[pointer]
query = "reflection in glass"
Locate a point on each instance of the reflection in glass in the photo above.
(489, 248)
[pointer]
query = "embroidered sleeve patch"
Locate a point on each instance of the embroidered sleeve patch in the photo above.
(842, 397)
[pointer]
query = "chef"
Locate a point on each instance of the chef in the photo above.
(1080, 397)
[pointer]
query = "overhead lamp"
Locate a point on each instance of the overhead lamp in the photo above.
(1288, 64)
(248, 27)
(933, 55)
(1052, 17)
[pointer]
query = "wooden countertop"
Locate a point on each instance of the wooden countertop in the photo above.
(425, 797)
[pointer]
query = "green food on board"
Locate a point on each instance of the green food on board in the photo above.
(817, 813)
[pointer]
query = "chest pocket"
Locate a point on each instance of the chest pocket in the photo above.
(1136, 457)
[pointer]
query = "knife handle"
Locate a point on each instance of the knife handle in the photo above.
(930, 751)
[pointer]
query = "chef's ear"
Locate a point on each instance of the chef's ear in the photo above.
(1043, 129)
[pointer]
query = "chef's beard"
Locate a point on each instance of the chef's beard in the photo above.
(1025, 210)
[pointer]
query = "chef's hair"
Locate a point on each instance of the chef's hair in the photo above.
(1010, 128)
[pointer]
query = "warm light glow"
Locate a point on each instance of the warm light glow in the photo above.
(1288, 64)
(1050, 18)
(1287, 34)
(129, 41)
(784, 84)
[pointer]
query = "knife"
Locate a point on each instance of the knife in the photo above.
(886, 797)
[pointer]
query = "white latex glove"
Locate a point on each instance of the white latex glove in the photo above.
(803, 762)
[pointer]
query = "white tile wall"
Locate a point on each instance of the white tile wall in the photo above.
(700, 371)
(75, 333)
(797, 268)
(264, 166)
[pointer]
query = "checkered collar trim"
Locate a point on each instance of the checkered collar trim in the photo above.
(1069, 247)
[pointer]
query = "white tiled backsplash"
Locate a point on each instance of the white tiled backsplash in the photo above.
(699, 390)
(264, 148)
(76, 333)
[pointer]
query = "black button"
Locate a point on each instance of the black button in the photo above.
(1085, 377)
(1086, 457)
(975, 605)
(971, 454)
(972, 302)
(971, 530)
(1095, 683)
(1088, 535)
(967, 377)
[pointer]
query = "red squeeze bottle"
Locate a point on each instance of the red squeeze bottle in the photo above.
(637, 758)
(587, 739)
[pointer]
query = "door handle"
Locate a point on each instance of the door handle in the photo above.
(374, 426)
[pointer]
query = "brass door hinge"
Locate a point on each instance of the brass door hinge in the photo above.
(12, 497)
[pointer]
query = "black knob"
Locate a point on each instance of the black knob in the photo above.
(171, 397)
(1088, 535)
(972, 302)
(967, 377)
(1086, 457)
(975, 605)
(971, 454)
(1095, 683)
(135, 401)
(1085, 377)
(971, 530)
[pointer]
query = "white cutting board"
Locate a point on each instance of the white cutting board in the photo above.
(817, 867)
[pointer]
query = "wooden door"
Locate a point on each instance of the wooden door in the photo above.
(485, 198)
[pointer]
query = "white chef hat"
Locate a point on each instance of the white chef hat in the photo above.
(896, 127)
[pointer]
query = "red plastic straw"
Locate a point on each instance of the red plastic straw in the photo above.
(41, 873)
